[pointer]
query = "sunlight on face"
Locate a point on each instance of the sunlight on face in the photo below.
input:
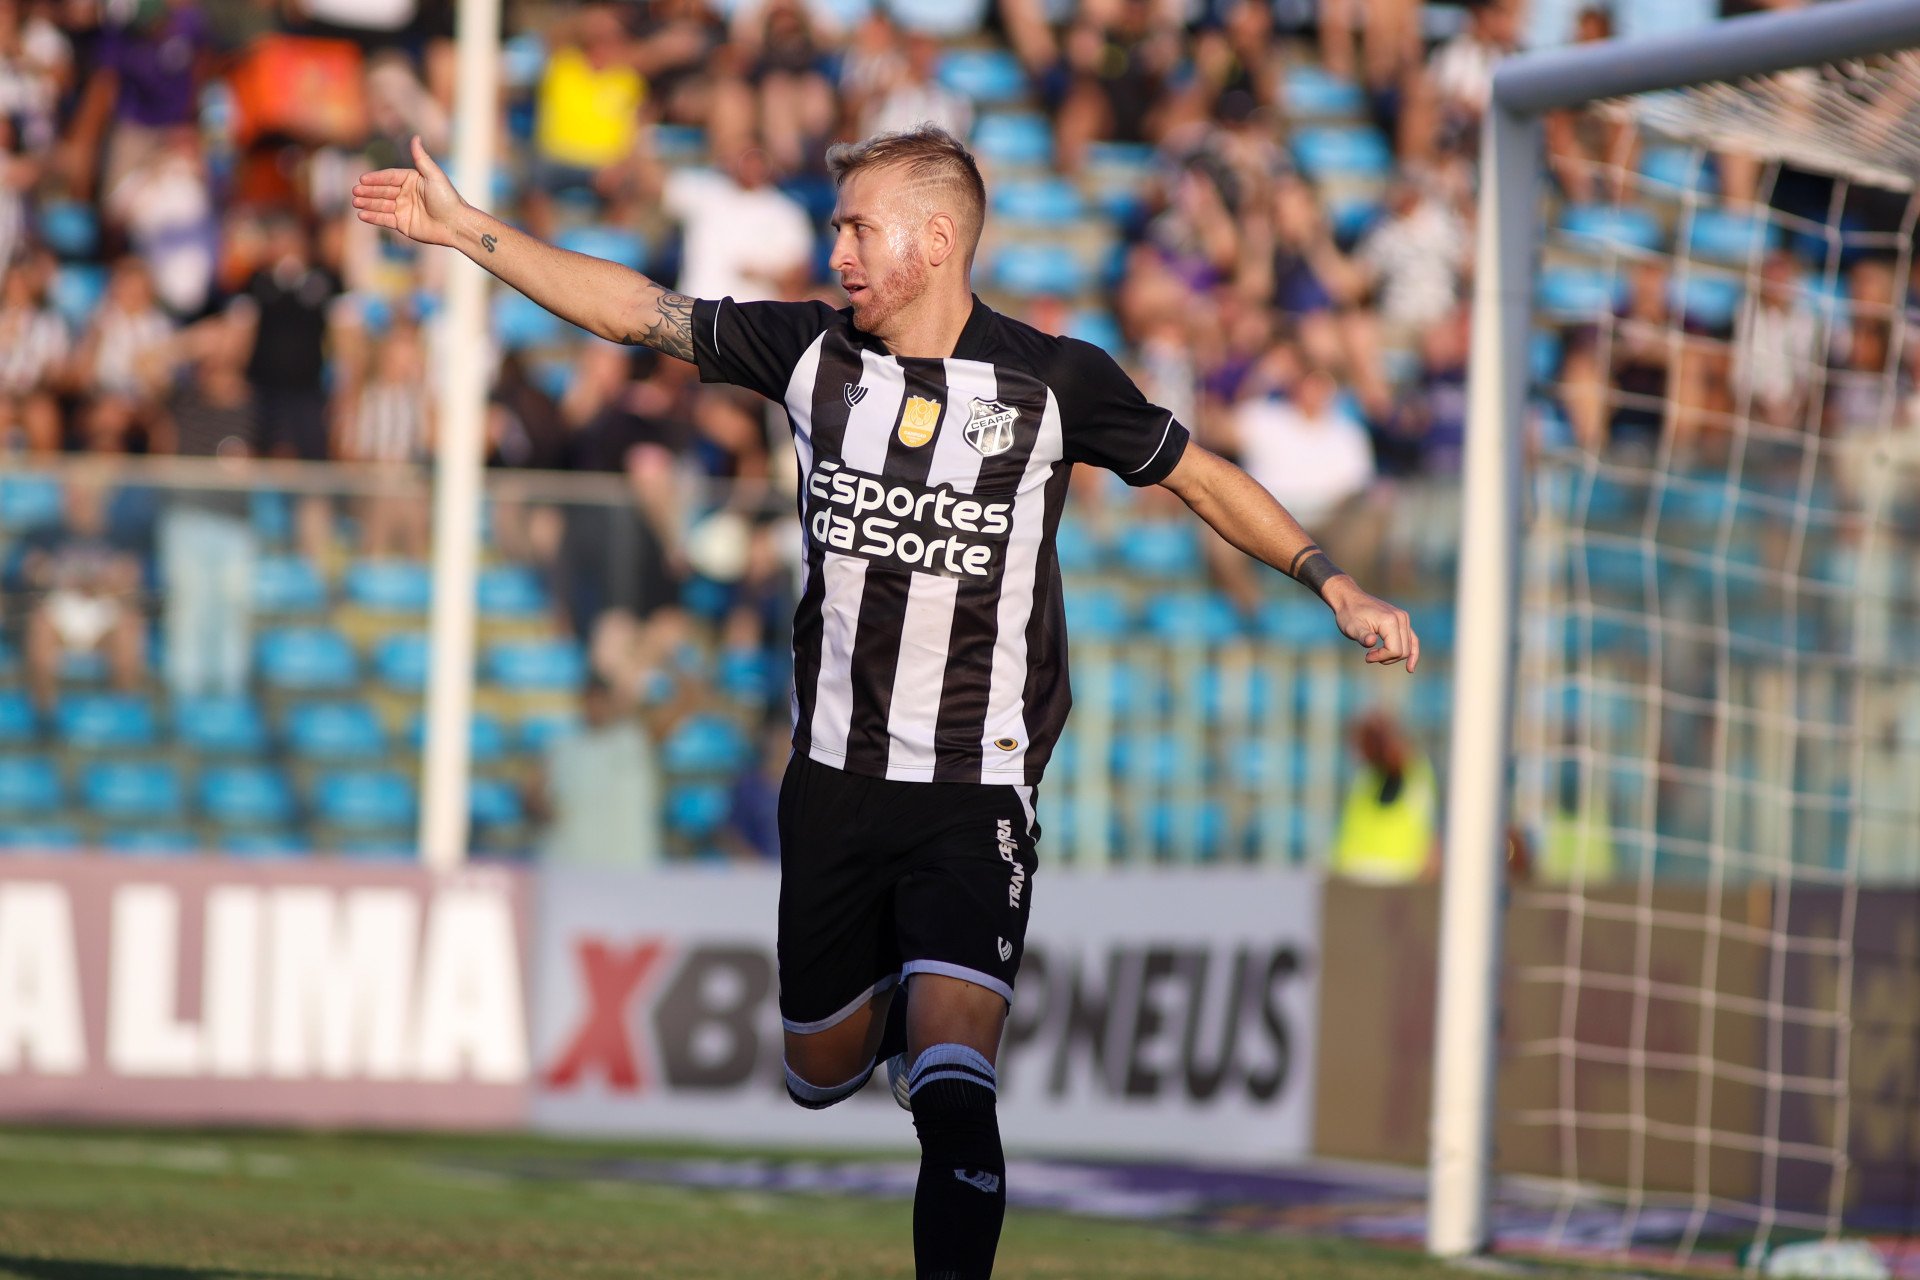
(879, 250)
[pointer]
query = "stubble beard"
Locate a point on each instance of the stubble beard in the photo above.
(885, 303)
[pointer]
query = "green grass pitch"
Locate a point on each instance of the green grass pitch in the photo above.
(89, 1204)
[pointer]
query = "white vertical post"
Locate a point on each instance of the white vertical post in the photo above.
(457, 466)
(1466, 1018)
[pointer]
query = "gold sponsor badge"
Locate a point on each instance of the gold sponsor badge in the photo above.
(918, 420)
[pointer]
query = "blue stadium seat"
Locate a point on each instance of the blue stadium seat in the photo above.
(1297, 621)
(536, 664)
(1013, 140)
(76, 292)
(246, 795)
(29, 502)
(1261, 765)
(748, 675)
(28, 784)
(1310, 93)
(990, 77)
(615, 244)
(1626, 226)
(387, 846)
(288, 584)
(362, 799)
(486, 738)
(1248, 696)
(1097, 613)
(400, 661)
(264, 844)
(221, 726)
(1039, 202)
(272, 516)
(1719, 235)
(1078, 550)
(679, 144)
(1135, 161)
(1352, 216)
(511, 591)
(18, 720)
(1161, 549)
(706, 744)
(104, 721)
(130, 790)
(519, 322)
(1171, 824)
(69, 227)
(389, 586)
(939, 17)
(83, 666)
(307, 658)
(335, 731)
(1148, 758)
(494, 803)
(1343, 151)
(1098, 326)
(522, 58)
(1681, 169)
(1544, 352)
(1039, 270)
(1571, 295)
(151, 842)
(1706, 300)
(537, 733)
(1203, 616)
(38, 837)
(697, 810)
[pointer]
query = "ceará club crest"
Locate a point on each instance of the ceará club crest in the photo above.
(989, 427)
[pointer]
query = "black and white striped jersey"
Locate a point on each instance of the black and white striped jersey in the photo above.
(930, 644)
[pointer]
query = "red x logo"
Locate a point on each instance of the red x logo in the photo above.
(611, 976)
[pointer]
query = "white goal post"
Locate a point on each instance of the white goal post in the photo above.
(1512, 176)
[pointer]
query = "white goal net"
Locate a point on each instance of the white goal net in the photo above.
(1709, 1040)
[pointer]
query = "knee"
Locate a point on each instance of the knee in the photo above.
(954, 1092)
(818, 1097)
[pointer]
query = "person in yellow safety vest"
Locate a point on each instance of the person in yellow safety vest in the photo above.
(1389, 820)
(1578, 838)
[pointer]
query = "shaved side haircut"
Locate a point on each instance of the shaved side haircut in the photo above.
(931, 159)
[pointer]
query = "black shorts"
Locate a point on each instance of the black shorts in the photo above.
(880, 880)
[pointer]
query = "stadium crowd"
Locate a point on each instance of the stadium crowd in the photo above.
(1264, 207)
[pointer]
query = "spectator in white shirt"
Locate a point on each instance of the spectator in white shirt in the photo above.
(917, 97)
(745, 239)
(1416, 260)
(1776, 345)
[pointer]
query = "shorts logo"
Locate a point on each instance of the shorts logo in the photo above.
(855, 394)
(1007, 744)
(1006, 949)
(990, 427)
(981, 1181)
(917, 420)
(1010, 854)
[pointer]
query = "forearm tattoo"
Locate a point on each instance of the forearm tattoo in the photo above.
(1312, 568)
(672, 333)
(488, 242)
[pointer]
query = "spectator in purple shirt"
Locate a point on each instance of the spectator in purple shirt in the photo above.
(146, 81)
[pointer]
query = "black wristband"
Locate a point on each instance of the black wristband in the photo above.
(1313, 569)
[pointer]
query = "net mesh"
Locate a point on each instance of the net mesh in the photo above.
(1710, 1034)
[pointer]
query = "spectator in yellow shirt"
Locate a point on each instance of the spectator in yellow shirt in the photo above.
(587, 121)
(1389, 821)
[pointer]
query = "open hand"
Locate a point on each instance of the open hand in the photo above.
(420, 203)
(1387, 632)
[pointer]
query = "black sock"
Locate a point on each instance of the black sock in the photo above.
(961, 1199)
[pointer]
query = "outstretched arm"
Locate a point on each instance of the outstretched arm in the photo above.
(1247, 516)
(601, 297)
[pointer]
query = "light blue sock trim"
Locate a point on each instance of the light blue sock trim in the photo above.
(826, 1094)
(952, 1062)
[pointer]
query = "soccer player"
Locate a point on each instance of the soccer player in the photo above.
(935, 438)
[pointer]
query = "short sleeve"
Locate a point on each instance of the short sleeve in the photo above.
(755, 344)
(1107, 422)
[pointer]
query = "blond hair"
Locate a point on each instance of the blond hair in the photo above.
(930, 157)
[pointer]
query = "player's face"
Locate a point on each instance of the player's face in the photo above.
(878, 248)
